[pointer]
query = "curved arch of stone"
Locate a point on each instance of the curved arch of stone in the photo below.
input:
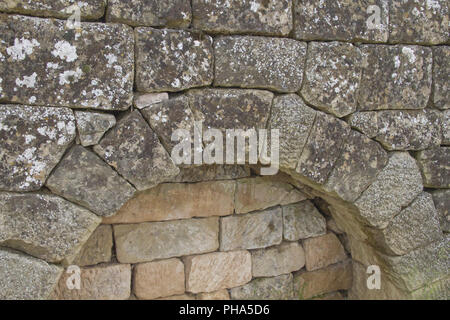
(59, 178)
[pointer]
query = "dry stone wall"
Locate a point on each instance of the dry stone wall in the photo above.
(358, 90)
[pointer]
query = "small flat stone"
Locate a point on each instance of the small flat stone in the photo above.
(259, 62)
(152, 13)
(434, 164)
(276, 288)
(251, 231)
(172, 60)
(134, 150)
(172, 201)
(441, 200)
(274, 261)
(82, 177)
(218, 270)
(161, 240)
(441, 70)
(396, 186)
(332, 76)
(359, 163)
(32, 141)
(323, 251)
(271, 17)
(341, 20)
(26, 278)
(92, 126)
(158, 279)
(112, 282)
(44, 63)
(44, 225)
(97, 249)
(145, 100)
(415, 21)
(89, 9)
(395, 77)
(302, 220)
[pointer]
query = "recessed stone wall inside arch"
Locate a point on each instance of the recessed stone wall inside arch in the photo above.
(358, 91)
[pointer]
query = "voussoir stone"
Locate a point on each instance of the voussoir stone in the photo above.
(133, 149)
(302, 220)
(89, 9)
(251, 231)
(110, 282)
(322, 148)
(343, 20)
(441, 200)
(259, 62)
(152, 13)
(172, 60)
(26, 278)
(172, 201)
(434, 164)
(43, 63)
(357, 167)
(266, 17)
(32, 141)
(261, 193)
(218, 270)
(158, 279)
(441, 70)
(396, 186)
(294, 120)
(275, 288)
(401, 129)
(395, 77)
(44, 225)
(160, 240)
(274, 261)
(416, 21)
(323, 251)
(97, 249)
(92, 126)
(82, 177)
(333, 72)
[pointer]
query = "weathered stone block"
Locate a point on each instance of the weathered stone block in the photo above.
(322, 251)
(32, 141)
(415, 21)
(312, 284)
(216, 295)
(441, 70)
(172, 60)
(92, 126)
(333, 72)
(158, 279)
(261, 193)
(112, 282)
(251, 231)
(134, 150)
(271, 17)
(259, 62)
(322, 148)
(342, 20)
(44, 225)
(218, 270)
(26, 278)
(43, 63)
(294, 120)
(97, 249)
(160, 240)
(89, 9)
(395, 77)
(276, 288)
(82, 177)
(441, 200)
(395, 187)
(434, 164)
(401, 129)
(174, 201)
(274, 261)
(153, 13)
(302, 220)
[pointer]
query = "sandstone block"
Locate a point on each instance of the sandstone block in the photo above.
(302, 220)
(323, 251)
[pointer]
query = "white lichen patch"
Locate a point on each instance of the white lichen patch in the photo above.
(21, 48)
(28, 81)
(70, 76)
(65, 51)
